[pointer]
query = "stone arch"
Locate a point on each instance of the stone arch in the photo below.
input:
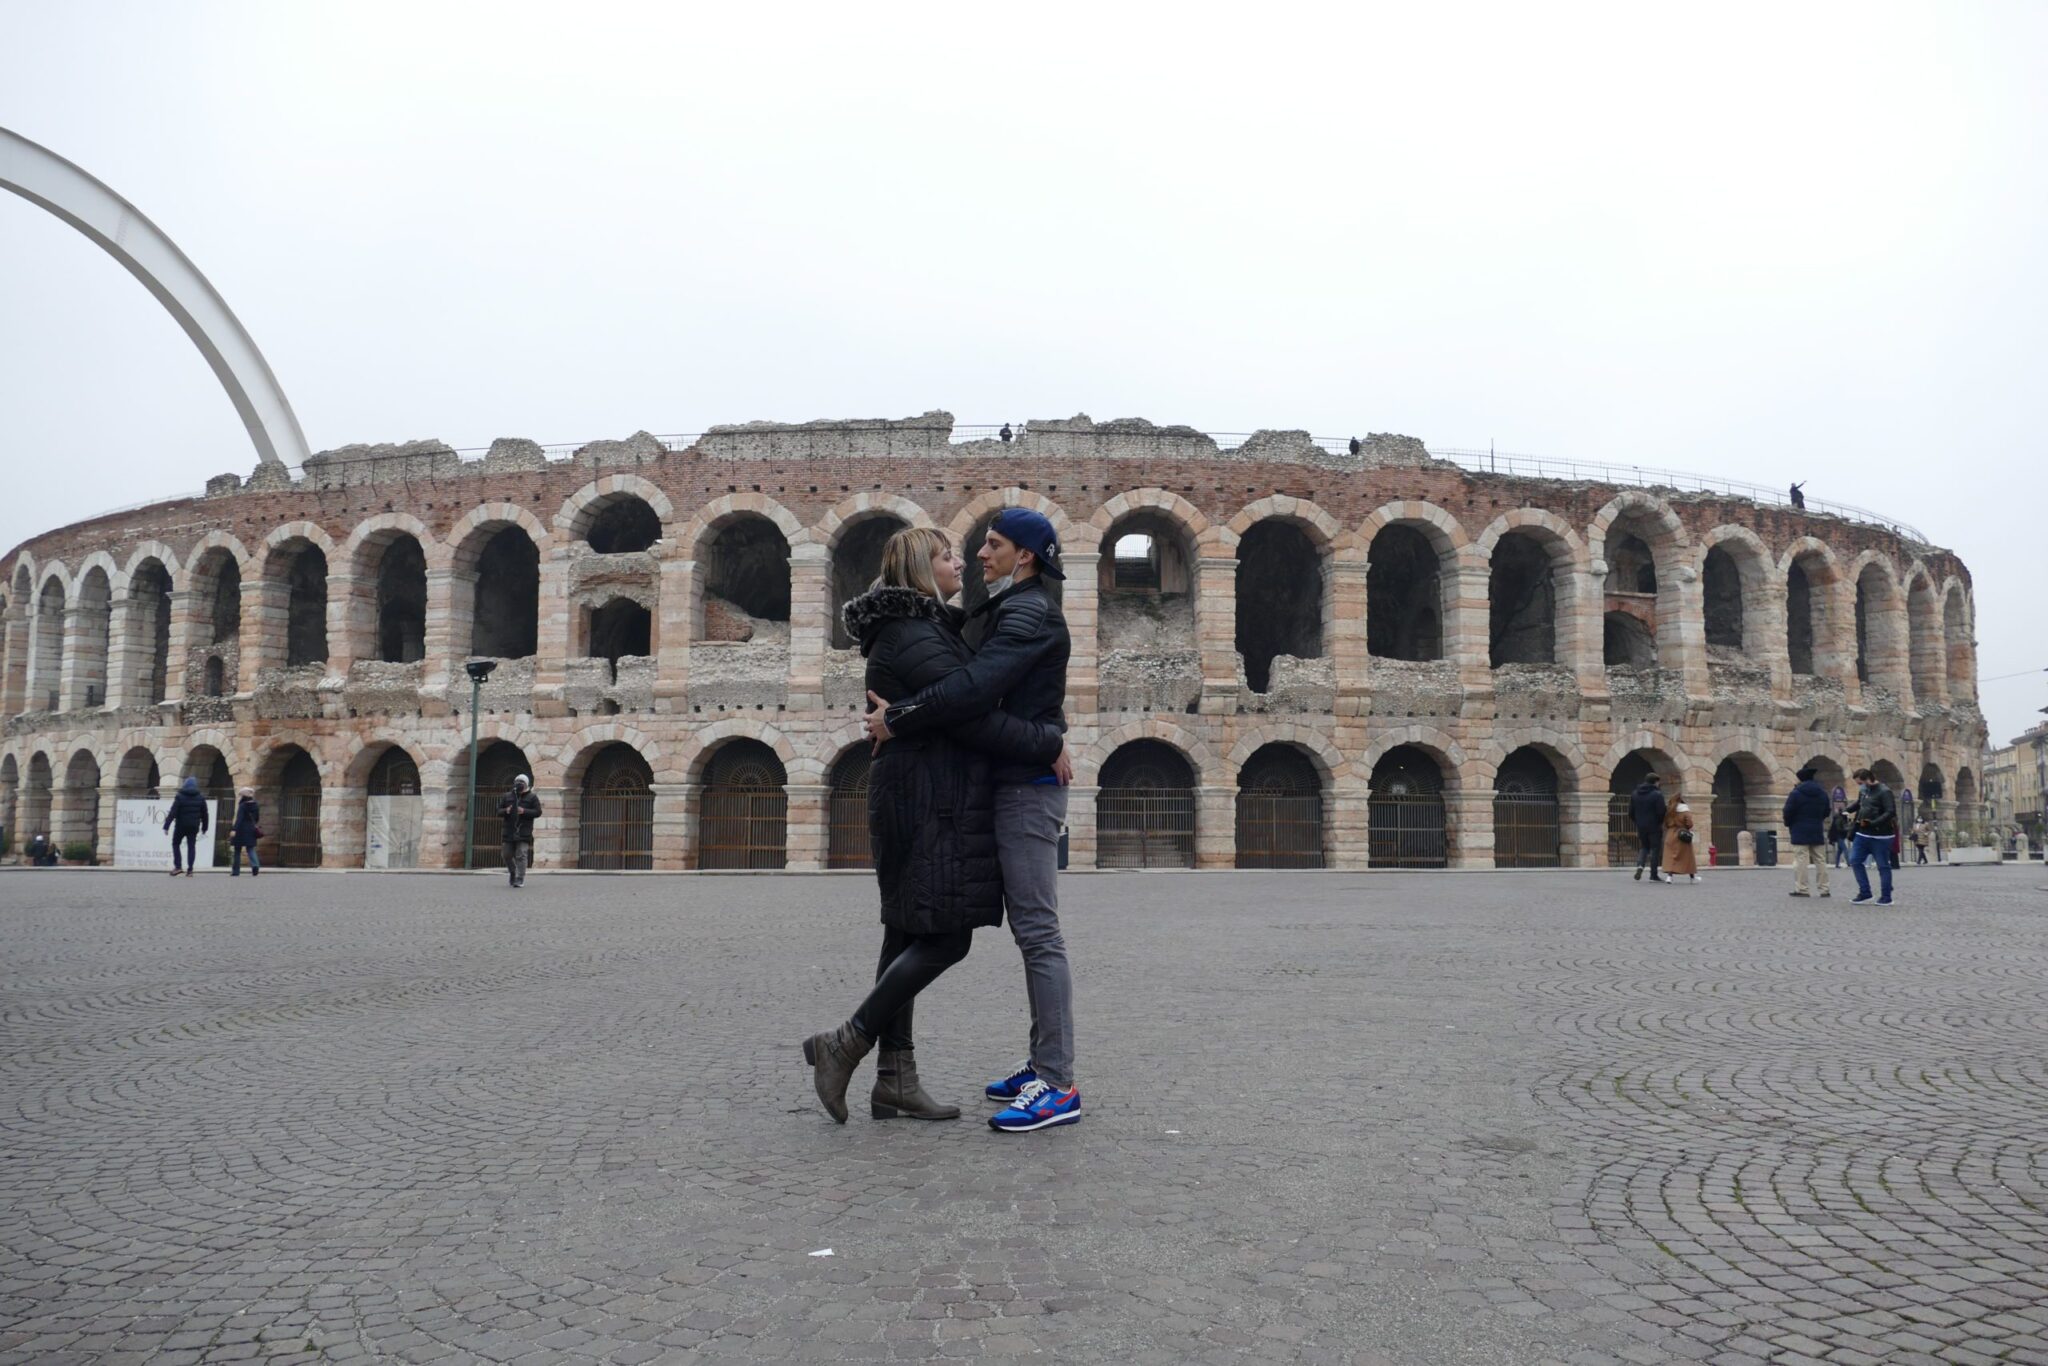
(1742, 792)
(1926, 646)
(1201, 532)
(1532, 620)
(89, 648)
(1448, 753)
(721, 510)
(1329, 759)
(216, 567)
(729, 516)
(492, 517)
(75, 816)
(1088, 762)
(706, 741)
(152, 550)
(1321, 527)
(1564, 751)
(495, 610)
(295, 566)
(859, 507)
(1074, 536)
(1283, 789)
(1146, 802)
(38, 792)
(47, 642)
(1959, 641)
(1738, 615)
(611, 824)
(572, 521)
(139, 773)
(1882, 641)
(1636, 518)
(386, 609)
(139, 669)
(375, 527)
(1532, 781)
(575, 752)
(1813, 581)
(1284, 594)
(853, 534)
(1414, 551)
(846, 819)
(742, 804)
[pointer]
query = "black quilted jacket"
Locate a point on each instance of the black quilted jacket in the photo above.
(931, 799)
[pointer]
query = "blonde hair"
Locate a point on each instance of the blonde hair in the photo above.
(907, 559)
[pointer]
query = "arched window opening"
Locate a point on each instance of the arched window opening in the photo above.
(215, 677)
(36, 797)
(1521, 602)
(620, 629)
(48, 659)
(1880, 630)
(394, 814)
(622, 525)
(1722, 595)
(217, 785)
(1962, 649)
(1404, 596)
(1279, 810)
(138, 775)
(1279, 598)
(1626, 643)
(402, 602)
(1405, 811)
(616, 819)
(1799, 617)
(224, 609)
(496, 766)
(507, 618)
(1631, 565)
(1728, 812)
(304, 567)
(78, 824)
(857, 563)
(1145, 589)
(1924, 643)
(94, 617)
(1527, 829)
(1966, 811)
(746, 566)
(1931, 787)
(743, 819)
(10, 806)
(1145, 808)
(847, 843)
(149, 630)
(295, 836)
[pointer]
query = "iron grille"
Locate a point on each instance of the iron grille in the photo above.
(849, 846)
(298, 829)
(744, 827)
(1622, 844)
(1725, 820)
(1145, 828)
(1277, 830)
(1526, 832)
(615, 829)
(1407, 830)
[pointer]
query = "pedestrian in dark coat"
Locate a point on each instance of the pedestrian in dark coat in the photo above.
(1646, 813)
(931, 821)
(1806, 817)
(247, 830)
(517, 811)
(187, 820)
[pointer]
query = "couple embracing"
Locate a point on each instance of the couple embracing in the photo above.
(966, 797)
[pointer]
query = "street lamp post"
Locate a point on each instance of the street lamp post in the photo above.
(479, 670)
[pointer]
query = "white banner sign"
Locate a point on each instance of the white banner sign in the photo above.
(140, 840)
(392, 831)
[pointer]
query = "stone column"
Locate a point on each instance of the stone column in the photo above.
(1468, 629)
(1682, 644)
(671, 825)
(675, 628)
(103, 835)
(78, 671)
(692, 797)
(1582, 820)
(14, 682)
(1580, 632)
(1081, 604)
(1468, 817)
(810, 628)
(1835, 656)
(1347, 829)
(557, 836)
(1081, 826)
(185, 608)
(342, 642)
(1215, 827)
(343, 818)
(804, 840)
(441, 677)
(1216, 632)
(1346, 637)
(266, 623)
(553, 632)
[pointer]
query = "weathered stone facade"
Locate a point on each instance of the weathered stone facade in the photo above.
(1378, 615)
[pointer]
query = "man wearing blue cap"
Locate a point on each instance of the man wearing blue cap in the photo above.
(1021, 667)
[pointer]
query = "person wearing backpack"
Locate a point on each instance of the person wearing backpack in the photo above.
(1877, 831)
(187, 820)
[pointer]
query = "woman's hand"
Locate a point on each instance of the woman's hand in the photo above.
(877, 720)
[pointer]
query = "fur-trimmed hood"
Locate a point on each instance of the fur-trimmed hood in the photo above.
(885, 602)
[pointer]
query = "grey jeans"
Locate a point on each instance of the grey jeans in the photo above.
(1028, 820)
(518, 853)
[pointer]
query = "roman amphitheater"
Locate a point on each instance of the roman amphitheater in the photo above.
(1287, 652)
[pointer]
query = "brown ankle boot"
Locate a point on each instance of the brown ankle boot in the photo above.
(833, 1055)
(897, 1092)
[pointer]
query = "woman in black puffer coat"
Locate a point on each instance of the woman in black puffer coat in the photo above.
(931, 822)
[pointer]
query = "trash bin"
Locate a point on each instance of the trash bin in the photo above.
(1766, 848)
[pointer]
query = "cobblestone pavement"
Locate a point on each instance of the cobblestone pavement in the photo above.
(1410, 1118)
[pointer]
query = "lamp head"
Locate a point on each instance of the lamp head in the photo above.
(480, 669)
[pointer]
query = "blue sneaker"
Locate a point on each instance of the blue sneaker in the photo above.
(1010, 1087)
(1038, 1106)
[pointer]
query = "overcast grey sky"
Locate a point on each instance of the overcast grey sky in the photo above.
(1782, 241)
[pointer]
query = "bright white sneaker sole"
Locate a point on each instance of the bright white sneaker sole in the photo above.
(1074, 1118)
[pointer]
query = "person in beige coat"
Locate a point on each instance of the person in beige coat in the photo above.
(1680, 848)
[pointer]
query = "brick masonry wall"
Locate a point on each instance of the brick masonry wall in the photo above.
(1917, 707)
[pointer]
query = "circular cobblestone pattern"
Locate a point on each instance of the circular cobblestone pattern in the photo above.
(1372, 1118)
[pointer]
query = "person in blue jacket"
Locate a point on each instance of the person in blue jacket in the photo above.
(247, 830)
(1806, 819)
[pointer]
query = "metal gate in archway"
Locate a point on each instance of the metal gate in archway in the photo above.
(298, 813)
(1145, 808)
(743, 816)
(1527, 829)
(1405, 812)
(1727, 813)
(1279, 810)
(847, 843)
(615, 819)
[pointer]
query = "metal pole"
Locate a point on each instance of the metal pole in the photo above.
(469, 809)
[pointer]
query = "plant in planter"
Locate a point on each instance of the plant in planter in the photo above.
(79, 851)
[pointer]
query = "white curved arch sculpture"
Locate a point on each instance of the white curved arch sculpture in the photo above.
(42, 177)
